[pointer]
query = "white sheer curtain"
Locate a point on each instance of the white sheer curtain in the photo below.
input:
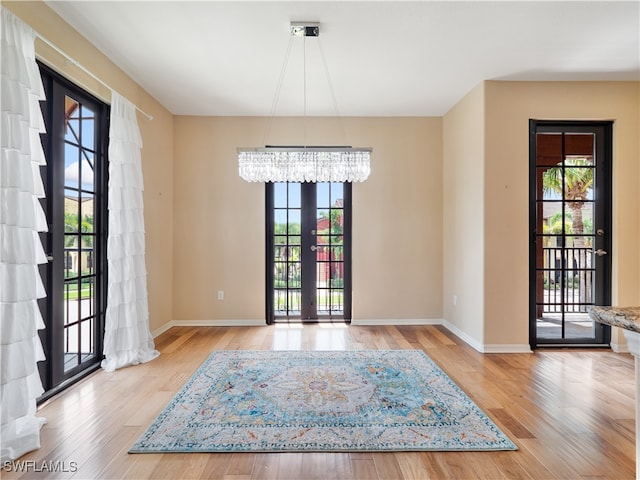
(127, 339)
(21, 218)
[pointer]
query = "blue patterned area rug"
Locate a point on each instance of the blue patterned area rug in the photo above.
(320, 401)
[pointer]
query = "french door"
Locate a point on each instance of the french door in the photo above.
(75, 181)
(308, 252)
(570, 224)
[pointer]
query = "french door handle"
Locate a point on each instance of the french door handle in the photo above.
(49, 258)
(600, 252)
(313, 248)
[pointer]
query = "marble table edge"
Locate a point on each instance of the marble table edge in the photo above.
(627, 318)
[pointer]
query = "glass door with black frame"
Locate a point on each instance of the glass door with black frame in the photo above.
(308, 252)
(75, 204)
(570, 221)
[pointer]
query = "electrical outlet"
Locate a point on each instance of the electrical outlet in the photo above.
(220, 294)
(455, 300)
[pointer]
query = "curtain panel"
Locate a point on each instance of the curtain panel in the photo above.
(21, 218)
(127, 340)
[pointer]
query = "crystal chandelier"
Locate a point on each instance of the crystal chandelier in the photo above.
(304, 163)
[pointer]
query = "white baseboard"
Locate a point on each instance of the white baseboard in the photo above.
(468, 339)
(209, 323)
(159, 331)
(472, 342)
(483, 347)
(396, 321)
(507, 348)
(618, 347)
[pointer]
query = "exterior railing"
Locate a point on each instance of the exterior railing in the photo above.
(568, 279)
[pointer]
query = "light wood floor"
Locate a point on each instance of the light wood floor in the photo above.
(571, 412)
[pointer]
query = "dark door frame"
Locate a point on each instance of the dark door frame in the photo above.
(602, 220)
(308, 313)
(52, 373)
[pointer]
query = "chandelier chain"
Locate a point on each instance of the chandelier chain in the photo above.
(304, 89)
(332, 91)
(276, 96)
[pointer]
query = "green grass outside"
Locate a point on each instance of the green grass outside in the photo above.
(72, 292)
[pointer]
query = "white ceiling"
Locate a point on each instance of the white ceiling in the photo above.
(388, 58)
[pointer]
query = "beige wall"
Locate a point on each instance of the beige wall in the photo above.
(157, 134)
(509, 106)
(444, 213)
(463, 233)
(486, 218)
(219, 219)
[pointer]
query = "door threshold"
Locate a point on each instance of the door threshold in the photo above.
(573, 345)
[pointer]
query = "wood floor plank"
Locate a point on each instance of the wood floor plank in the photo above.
(140, 466)
(314, 466)
(217, 466)
(571, 412)
(509, 423)
(241, 464)
(411, 466)
(339, 466)
(425, 340)
(186, 466)
(290, 465)
(507, 466)
(387, 466)
(364, 469)
(400, 341)
(441, 337)
(265, 466)
(103, 454)
(455, 465)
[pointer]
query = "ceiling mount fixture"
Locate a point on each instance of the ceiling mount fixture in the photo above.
(304, 163)
(305, 29)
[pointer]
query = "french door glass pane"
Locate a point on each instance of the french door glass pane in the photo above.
(329, 239)
(79, 246)
(286, 249)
